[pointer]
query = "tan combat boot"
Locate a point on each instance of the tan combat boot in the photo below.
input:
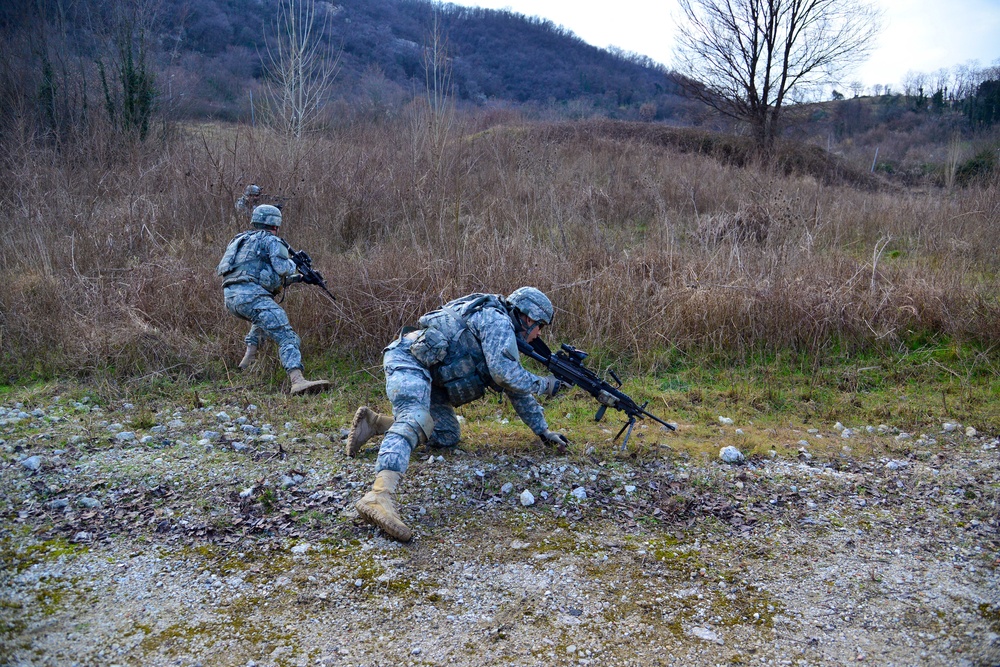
(366, 423)
(300, 385)
(248, 358)
(378, 507)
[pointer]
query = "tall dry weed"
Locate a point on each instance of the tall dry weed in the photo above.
(644, 244)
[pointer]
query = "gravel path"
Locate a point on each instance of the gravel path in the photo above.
(210, 537)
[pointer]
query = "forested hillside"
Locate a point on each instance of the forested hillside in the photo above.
(208, 57)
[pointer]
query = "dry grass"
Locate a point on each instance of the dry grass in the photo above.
(645, 239)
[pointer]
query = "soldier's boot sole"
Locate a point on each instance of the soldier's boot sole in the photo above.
(366, 424)
(309, 387)
(379, 510)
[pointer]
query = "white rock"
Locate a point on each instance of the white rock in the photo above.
(705, 634)
(247, 492)
(838, 427)
(739, 431)
(948, 427)
(803, 443)
(725, 421)
(222, 416)
(846, 433)
(32, 463)
(903, 436)
(629, 489)
(731, 455)
(90, 503)
(506, 488)
(527, 499)
(970, 432)
(301, 548)
(580, 493)
(125, 436)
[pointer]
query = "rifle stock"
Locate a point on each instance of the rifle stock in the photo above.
(567, 366)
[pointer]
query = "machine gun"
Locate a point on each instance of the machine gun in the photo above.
(310, 276)
(567, 366)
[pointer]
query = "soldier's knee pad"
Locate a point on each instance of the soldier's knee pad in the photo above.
(415, 428)
(444, 437)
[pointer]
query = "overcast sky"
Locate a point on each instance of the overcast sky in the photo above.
(918, 35)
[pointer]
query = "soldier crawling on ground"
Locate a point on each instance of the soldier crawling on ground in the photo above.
(255, 269)
(467, 346)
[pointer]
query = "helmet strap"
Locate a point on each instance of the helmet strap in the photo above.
(515, 318)
(521, 327)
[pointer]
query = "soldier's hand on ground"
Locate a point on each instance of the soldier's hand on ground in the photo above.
(554, 438)
(552, 386)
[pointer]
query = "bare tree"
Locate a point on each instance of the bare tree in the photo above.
(749, 58)
(300, 64)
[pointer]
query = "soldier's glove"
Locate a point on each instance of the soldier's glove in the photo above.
(552, 386)
(553, 438)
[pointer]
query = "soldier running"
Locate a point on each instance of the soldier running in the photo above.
(255, 269)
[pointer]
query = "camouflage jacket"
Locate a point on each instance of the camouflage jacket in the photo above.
(260, 258)
(478, 350)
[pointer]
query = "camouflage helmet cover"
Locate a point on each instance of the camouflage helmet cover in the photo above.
(252, 191)
(532, 302)
(266, 215)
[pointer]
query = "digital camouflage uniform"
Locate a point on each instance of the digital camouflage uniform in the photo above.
(481, 355)
(254, 269)
(248, 200)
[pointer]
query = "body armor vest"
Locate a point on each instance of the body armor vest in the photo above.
(247, 260)
(448, 348)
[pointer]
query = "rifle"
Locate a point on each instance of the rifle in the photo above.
(567, 366)
(310, 276)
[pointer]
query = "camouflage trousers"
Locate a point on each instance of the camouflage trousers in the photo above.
(266, 318)
(413, 398)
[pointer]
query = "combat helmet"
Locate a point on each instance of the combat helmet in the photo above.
(266, 215)
(532, 302)
(252, 191)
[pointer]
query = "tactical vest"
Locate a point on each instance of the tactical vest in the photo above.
(448, 348)
(247, 260)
